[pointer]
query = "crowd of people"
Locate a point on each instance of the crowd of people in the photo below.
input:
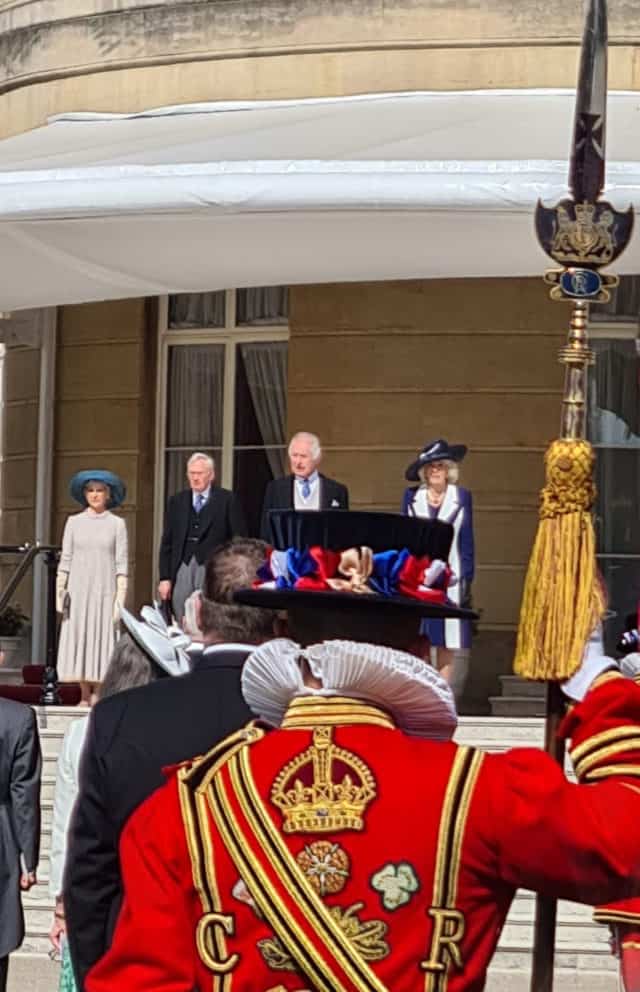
(271, 799)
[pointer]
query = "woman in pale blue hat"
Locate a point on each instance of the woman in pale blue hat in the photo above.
(91, 584)
(437, 496)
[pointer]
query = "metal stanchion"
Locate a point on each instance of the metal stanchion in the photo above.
(50, 695)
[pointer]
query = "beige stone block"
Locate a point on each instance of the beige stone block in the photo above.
(496, 478)
(67, 465)
(504, 476)
(101, 369)
(371, 419)
(299, 73)
(17, 526)
(20, 428)
(504, 536)
(497, 591)
(97, 425)
(424, 361)
(21, 374)
(111, 320)
(494, 306)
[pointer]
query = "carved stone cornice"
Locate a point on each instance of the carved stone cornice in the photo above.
(41, 41)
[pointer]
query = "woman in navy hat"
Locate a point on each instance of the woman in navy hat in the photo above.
(91, 583)
(438, 497)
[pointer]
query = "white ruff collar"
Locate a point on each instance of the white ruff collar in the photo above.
(410, 690)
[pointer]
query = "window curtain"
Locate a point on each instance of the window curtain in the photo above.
(194, 406)
(266, 368)
(624, 304)
(262, 305)
(614, 407)
(614, 427)
(197, 310)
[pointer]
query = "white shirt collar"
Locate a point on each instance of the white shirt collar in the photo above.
(217, 648)
(206, 493)
(311, 479)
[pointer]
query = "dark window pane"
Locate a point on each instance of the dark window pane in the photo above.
(192, 310)
(617, 517)
(247, 429)
(251, 473)
(624, 305)
(195, 392)
(262, 305)
(261, 393)
(614, 394)
(622, 578)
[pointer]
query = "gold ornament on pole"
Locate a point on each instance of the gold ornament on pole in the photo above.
(563, 597)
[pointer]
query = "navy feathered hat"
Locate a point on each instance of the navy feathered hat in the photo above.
(80, 480)
(435, 451)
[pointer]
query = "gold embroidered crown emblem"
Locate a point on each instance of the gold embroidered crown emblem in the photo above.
(324, 788)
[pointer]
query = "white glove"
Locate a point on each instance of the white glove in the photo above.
(594, 663)
(121, 595)
(433, 573)
(62, 579)
(630, 665)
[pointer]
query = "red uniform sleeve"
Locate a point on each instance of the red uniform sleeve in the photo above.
(578, 842)
(152, 949)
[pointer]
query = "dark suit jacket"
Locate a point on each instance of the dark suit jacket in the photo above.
(221, 519)
(131, 737)
(279, 496)
(20, 765)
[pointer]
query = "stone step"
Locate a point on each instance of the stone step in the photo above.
(29, 972)
(58, 718)
(47, 787)
(513, 685)
(513, 706)
(517, 979)
(500, 733)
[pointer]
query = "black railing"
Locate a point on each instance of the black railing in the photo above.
(28, 554)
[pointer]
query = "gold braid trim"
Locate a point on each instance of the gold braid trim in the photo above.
(602, 754)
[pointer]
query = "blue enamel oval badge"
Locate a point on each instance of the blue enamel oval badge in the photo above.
(580, 283)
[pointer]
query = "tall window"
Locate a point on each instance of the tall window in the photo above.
(224, 389)
(614, 429)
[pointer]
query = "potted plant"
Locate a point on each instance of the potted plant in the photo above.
(13, 628)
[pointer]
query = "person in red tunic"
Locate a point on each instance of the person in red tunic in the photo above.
(356, 847)
(623, 917)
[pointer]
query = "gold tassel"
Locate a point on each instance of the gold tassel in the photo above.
(563, 597)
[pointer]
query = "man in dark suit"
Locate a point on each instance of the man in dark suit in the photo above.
(133, 735)
(20, 765)
(197, 520)
(305, 488)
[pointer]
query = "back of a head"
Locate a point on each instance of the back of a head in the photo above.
(230, 567)
(392, 629)
(129, 667)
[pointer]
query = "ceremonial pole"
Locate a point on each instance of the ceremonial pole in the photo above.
(563, 598)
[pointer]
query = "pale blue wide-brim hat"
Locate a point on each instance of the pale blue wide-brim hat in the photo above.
(114, 482)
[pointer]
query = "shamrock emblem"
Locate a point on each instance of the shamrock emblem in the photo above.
(396, 884)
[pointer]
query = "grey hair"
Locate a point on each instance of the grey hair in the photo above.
(314, 442)
(199, 456)
(453, 471)
(128, 668)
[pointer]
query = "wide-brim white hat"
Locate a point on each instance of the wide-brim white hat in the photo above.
(164, 649)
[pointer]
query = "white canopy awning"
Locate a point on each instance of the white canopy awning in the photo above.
(208, 196)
